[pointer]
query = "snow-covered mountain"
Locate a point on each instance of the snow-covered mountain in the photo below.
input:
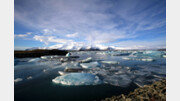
(77, 47)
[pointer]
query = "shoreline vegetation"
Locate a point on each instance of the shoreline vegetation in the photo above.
(153, 92)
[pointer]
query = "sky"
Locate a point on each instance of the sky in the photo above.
(125, 24)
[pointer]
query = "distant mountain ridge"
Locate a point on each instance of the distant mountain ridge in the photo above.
(87, 48)
(83, 48)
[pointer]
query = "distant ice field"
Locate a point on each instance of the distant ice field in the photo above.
(117, 68)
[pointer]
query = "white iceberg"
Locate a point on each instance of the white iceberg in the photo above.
(70, 64)
(34, 60)
(138, 59)
(62, 73)
(164, 56)
(86, 60)
(77, 79)
(90, 65)
(68, 54)
(30, 77)
(110, 62)
(126, 58)
(18, 80)
(153, 53)
(43, 57)
(148, 59)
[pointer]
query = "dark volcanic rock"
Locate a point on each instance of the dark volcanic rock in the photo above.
(154, 92)
(38, 53)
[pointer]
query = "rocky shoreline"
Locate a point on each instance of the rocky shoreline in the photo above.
(153, 92)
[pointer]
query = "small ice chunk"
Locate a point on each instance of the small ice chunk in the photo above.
(86, 60)
(68, 54)
(164, 56)
(77, 79)
(147, 59)
(126, 58)
(64, 59)
(34, 60)
(62, 73)
(30, 77)
(121, 54)
(72, 67)
(153, 53)
(44, 70)
(110, 62)
(18, 80)
(138, 59)
(44, 57)
(90, 65)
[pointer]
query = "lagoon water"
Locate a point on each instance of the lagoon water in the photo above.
(93, 76)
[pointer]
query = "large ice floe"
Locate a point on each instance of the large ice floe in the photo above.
(90, 65)
(77, 79)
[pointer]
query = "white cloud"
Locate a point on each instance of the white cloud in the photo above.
(29, 33)
(72, 35)
(95, 21)
(22, 35)
(49, 39)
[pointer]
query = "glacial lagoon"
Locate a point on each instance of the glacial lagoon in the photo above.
(86, 75)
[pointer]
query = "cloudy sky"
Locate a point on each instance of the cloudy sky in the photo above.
(119, 23)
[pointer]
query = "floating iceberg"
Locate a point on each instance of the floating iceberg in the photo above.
(34, 60)
(77, 79)
(126, 58)
(62, 73)
(121, 54)
(138, 59)
(18, 80)
(43, 57)
(90, 65)
(70, 64)
(118, 80)
(153, 53)
(164, 56)
(110, 62)
(68, 54)
(30, 77)
(72, 67)
(86, 60)
(149, 59)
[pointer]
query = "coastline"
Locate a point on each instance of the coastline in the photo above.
(153, 92)
(38, 53)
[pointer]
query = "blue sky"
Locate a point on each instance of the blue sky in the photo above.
(118, 23)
